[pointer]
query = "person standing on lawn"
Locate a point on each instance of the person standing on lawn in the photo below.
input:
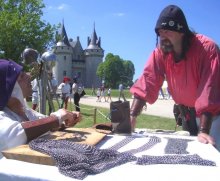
(109, 95)
(121, 92)
(65, 91)
(76, 95)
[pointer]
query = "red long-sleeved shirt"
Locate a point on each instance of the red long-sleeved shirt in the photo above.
(193, 82)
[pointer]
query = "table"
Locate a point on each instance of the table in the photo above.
(22, 171)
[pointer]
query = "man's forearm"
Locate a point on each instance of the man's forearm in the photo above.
(33, 129)
(136, 107)
(205, 122)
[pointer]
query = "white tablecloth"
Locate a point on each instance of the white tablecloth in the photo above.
(22, 171)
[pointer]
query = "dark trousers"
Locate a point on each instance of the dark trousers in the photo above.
(186, 117)
(76, 99)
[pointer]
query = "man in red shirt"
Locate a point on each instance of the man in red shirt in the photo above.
(190, 63)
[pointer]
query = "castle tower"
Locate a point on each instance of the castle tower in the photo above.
(78, 62)
(74, 61)
(63, 52)
(93, 57)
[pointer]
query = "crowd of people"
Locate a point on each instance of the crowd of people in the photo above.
(71, 90)
(164, 92)
(66, 89)
(101, 93)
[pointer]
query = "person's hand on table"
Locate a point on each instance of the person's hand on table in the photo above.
(205, 138)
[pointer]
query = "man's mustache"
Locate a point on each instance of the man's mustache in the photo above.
(166, 46)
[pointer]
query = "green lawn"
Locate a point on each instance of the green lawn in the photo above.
(143, 121)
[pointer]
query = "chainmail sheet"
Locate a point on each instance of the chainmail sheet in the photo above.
(79, 160)
(173, 146)
(122, 143)
(176, 146)
(175, 159)
(150, 143)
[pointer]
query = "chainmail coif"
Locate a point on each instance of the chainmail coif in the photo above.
(79, 160)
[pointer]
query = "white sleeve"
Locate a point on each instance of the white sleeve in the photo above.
(11, 133)
(74, 88)
(61, 85)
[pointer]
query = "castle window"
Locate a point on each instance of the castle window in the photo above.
(64, 57)
(64, 73)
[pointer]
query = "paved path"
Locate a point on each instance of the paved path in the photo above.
(163, 108)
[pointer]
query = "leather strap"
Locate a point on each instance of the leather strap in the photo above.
(33, 129)
(205, 122)
(136, 106)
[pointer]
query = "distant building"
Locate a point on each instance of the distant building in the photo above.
(74, 61)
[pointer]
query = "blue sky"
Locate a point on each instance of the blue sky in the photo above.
(126, 27)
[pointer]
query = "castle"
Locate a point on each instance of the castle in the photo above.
(74, 61)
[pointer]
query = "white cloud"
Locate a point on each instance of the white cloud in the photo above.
(60, 7)
(119, 14)
(50, 7)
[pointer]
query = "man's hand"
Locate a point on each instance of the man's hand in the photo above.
(72, 118)
(205, 138)
(68, 117)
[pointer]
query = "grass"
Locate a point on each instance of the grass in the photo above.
(143, 121)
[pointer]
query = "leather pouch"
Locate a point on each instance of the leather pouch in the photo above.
(120, 117)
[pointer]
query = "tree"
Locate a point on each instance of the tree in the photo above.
(128, 73)
(115, 70)
(101, 71)
(21, 27)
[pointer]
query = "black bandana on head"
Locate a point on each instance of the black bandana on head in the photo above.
(172, 18)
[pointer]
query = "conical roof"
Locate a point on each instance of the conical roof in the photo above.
(63, 35)
(93, 42)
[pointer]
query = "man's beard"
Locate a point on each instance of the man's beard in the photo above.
(166, 46)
